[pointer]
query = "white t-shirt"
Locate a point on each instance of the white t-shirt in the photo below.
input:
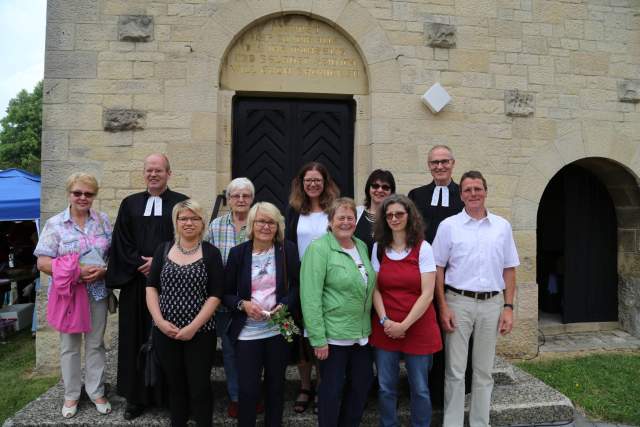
(310, 227)
(426, 261)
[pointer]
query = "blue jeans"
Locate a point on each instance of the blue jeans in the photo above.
(338, 407)
(418, 367)
(228, 354)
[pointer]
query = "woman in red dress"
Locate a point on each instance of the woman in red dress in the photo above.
(404, 323)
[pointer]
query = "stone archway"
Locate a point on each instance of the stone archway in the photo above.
(222, 29)
(616, 165)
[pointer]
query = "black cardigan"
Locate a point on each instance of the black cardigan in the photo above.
(238, 282)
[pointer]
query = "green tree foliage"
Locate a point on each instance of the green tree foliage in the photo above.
(20, 136)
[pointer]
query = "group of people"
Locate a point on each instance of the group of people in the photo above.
(398, 278)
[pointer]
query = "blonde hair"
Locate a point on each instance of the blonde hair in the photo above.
(342, 202)
(184, 205)
(83, 178)
(272, 212)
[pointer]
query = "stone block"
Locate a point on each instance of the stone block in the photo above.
(60, 36)
(55, 145)
(328, 9)
(135, 28)
(75, 11)
(203, 126)
(71, 116)
(63, 64)
(265, 7)
(590, 63)
(143, 69)
(627, 240)
(96, 32)
(235, 16)
(519, 104)
(198, 96)
(476, 8)
(172, 120)
(468, 60)
(536, 45)
(440, 35)
(148, 102)
(55, 91)
(629, 91)
(117, 120)
(115, 70)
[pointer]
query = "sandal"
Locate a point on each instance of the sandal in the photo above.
(299, 406)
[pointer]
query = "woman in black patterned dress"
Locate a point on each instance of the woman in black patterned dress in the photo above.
(184, 288)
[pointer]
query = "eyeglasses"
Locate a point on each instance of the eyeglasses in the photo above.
(189, 219)
(309, 181)
(236, 196)
(384, 187)
(87, 194)
(261, 223)
(443, 162)
(392, 215)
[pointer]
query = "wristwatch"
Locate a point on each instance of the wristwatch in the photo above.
(240, 305)
(508, 306)
(383, 319)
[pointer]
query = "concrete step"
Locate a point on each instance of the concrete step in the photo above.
(518, 399)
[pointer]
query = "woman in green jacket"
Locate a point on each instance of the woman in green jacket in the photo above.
(336, 287)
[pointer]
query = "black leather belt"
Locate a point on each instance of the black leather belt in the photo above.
(475, 295)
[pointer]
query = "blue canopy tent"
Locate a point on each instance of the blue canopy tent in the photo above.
(19, 196)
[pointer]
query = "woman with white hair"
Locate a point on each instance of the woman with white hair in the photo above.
(261, 277)
(225, 232)
(184, 288)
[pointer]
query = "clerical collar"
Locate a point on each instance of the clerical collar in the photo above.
(154, 203)
(440, 190)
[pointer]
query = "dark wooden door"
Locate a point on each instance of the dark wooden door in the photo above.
(591, 249)
(577, 241)
(274, 137)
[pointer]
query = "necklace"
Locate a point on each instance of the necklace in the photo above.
(188, 251)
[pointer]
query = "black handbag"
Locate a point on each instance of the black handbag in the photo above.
(148, 362)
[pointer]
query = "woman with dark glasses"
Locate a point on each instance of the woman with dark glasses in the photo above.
(73, 249)
(378, 187)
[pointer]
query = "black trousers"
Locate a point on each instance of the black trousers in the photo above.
(252, 356)
(339, 405)
(187, 368)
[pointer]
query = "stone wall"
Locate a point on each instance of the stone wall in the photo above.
(535, 85)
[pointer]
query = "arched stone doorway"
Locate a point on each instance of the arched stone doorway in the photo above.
(294, 78)
(588, 225)
(216, 39)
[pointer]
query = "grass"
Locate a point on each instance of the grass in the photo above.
(18, 385)
(605, 385)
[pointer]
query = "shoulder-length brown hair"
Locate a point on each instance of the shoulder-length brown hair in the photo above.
(415, 225)
(299, 200)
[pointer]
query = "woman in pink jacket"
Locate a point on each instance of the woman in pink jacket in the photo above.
(73, 249)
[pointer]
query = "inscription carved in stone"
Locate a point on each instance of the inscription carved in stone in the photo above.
(629, 91)
(440, 35)
(518, 104)
(135, 28)
(294, 53)
(117, 120)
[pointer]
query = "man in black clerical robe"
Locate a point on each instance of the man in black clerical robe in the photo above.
(437, 201)
(143, 222)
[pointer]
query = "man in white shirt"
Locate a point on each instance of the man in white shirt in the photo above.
(475, 295)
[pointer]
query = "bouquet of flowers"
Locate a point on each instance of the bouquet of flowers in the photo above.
(283, 320)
